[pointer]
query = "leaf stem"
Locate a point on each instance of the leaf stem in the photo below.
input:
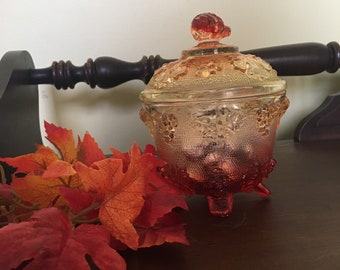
(77, 219)
(4, 212)
(32, 207)
(22, 217)
(3, 175)
(63, 182)
(69, 180)
(87, 221)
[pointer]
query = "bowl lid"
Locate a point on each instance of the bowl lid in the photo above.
(211, 70)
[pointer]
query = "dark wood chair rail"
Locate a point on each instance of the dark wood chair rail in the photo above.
(108, 72)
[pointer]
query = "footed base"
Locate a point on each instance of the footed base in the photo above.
(223, 206)
(262, 190)
(220, 206)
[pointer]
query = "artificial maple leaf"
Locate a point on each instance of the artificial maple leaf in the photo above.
(93, 240)
(43, 188)
(63, 140)
(121, 194)
(149, 149)
(135, 152)
(89, 152)
(124, 157)
(157, 223)
(99, 177)
(48, 241)
(161, 197)
(168, 228)
(58, 168)
(35, 162)
(157, 205)
(35, 189)
(119, 210)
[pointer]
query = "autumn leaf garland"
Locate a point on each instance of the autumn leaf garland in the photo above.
(97, 200)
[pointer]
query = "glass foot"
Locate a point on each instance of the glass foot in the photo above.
(220, 206)
(262, 190)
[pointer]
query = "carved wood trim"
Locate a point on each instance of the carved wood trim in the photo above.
(321, 124)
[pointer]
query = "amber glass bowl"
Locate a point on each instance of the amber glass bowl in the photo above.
(213, 115)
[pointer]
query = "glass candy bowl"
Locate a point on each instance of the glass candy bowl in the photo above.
(213, 115)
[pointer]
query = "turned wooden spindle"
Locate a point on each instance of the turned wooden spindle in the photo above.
(301, 59)
(108, 72)
(104, 72)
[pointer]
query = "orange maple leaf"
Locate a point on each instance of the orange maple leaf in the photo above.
(122, 192)
(121, 202)
(63, 140)
(58, 168)
(36, 162)
(37, 190)
(45, 171)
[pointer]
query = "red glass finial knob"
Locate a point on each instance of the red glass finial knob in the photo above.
(208, 26)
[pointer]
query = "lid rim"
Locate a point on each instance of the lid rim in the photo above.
(236, 93)
(209, 48)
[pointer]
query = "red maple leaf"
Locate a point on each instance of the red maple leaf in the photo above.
(80, 200)
(89, 151)
(48, 241)
(168, 228)
(161, 197)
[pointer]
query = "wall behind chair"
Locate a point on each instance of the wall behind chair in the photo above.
(82, 29)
